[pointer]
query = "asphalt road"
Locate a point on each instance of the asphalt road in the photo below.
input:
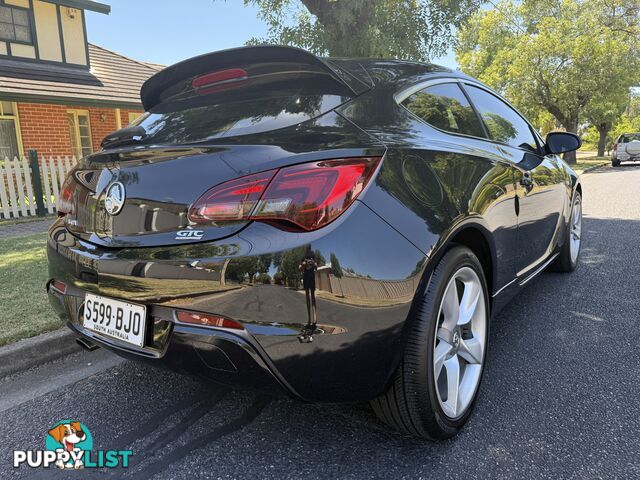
(560, 399)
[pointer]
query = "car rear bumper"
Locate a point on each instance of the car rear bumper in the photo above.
(365, 286)
(625, 157)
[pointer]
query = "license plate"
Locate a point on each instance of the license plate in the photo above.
(121, 320)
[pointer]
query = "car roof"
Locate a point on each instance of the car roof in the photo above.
(393, 74)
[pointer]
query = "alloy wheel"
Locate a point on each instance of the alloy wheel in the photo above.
(460, 342)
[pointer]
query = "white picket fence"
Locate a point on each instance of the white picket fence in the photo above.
(16, 185)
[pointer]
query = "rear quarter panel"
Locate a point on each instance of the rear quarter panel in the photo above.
(433, 184)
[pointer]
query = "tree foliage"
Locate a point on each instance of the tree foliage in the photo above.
(575, 59)
(412, 29)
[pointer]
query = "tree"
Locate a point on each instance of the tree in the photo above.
(414, 29)
(335, 265)
(626, 124)
(289, 266)
(559, 56)
(264, 278)
(603, 113)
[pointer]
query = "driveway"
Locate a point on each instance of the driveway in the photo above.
(560, 398)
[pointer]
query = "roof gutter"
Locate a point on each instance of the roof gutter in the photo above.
(84, 5)
(70, 101)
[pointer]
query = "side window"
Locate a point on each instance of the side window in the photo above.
(503, 123)
(445, 106)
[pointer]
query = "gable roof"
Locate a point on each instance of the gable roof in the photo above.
(113, 80)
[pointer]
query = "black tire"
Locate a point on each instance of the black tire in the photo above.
(410, 405)
(615, 163)
(564, 263)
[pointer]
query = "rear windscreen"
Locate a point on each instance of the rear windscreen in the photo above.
(630, 138)
(246, 99)
(207, 119)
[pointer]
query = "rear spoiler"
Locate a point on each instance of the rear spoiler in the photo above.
(237, 65)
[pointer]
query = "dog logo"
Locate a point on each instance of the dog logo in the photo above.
(73, 438)
(114, 201)
(69, 445)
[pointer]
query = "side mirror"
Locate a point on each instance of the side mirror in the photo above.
(562, 142)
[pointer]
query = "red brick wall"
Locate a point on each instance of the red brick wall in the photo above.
(45, 128)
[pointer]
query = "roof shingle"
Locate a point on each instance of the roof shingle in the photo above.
(113, 80)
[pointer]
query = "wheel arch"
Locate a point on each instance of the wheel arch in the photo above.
(475, 240)
(471, 232)
(475, 235)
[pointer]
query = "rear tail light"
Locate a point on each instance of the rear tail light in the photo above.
(66, 203)
(59, 286)
(194, 318)
(615, 147)
(230, 201)
(302, 197)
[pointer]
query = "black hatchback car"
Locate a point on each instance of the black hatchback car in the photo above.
(336, 230)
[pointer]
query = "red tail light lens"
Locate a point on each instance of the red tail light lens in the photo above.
(304, 197)
(217, 81)
(59, 286)
(230, 201)
(207, 320)
(66, 204)
(312, 195)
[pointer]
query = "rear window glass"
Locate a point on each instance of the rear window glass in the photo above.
(630, 138)
(177, 123)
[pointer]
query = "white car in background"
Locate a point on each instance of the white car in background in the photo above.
(626, 149)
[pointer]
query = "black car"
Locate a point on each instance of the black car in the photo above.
(337, 230)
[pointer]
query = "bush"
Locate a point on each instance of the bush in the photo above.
(264, 278)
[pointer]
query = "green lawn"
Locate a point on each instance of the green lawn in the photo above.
(586, 162)
(17, 221)
(24, 308)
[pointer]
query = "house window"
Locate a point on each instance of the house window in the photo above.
(10, 145)
(80, 132)
(15, 24)
(134, 116)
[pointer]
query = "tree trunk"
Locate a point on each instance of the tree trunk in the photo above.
(569, 120)
(603, 130)
(572, 127)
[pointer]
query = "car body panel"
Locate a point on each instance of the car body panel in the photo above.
(431, 189)
(361, 312)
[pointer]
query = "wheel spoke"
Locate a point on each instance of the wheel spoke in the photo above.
(471, 350)
(450, 306)
(452, 367)
(469, 302)
(442, 350)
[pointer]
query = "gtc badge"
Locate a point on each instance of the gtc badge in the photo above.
(114, 200)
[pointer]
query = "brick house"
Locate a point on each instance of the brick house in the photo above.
(60, 94)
